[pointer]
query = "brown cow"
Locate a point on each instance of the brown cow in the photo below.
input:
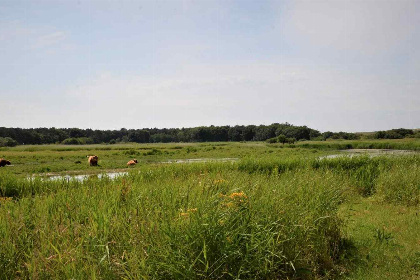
(93, 160)
(132, 162)
(4, 162)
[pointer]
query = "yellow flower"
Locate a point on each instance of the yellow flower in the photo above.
(237, 195)
(188, 212)
(234, 199)
(216, 182)
(6, 199)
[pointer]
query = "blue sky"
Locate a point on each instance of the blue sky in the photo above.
(332, 65)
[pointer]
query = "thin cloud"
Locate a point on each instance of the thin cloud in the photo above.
(256, 93)
(48, 40)
(18, 35)
(365, 26)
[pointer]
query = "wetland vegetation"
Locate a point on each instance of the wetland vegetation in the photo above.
(278, 212)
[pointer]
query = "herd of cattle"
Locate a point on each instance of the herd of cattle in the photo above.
(92, 160)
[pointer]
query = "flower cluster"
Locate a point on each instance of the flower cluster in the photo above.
(187, 214)
(234, 199)
(238, 195)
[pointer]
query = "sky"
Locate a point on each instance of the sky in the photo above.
(333, 65)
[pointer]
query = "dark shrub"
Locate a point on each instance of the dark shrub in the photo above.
(7, 142)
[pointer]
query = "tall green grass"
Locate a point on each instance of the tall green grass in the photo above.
(269, 218)
(401, 185)
(367, 174)
(362, 171)
(174, 222)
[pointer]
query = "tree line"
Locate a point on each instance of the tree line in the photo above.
(21, 136)
(212, 133)
(398, 133)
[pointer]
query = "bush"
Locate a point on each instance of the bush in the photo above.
(290, 140)
(77, 141)
(282, 139)
(71, 141)
(7, 142)
(272, 140)
(394, 134)
(415, 135)
(339, 135)
(318, 138)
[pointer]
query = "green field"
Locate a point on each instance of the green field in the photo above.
(277, 212)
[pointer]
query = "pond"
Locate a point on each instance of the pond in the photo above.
(114, 174)
(370, 152)
(81, 177)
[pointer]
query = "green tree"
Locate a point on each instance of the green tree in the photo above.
(282, 138)
(291, 140)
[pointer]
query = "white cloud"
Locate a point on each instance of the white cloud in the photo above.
(327, 99)
(17, 35)
(367, 26)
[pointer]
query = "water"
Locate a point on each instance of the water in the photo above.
(82, 177)
(113, 175)
(369, 152)
(200, 160)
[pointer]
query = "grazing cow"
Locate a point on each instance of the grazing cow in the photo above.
(132, 162)
(4, 162)
(93, 160)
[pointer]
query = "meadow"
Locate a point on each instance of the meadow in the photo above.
(277, 212)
